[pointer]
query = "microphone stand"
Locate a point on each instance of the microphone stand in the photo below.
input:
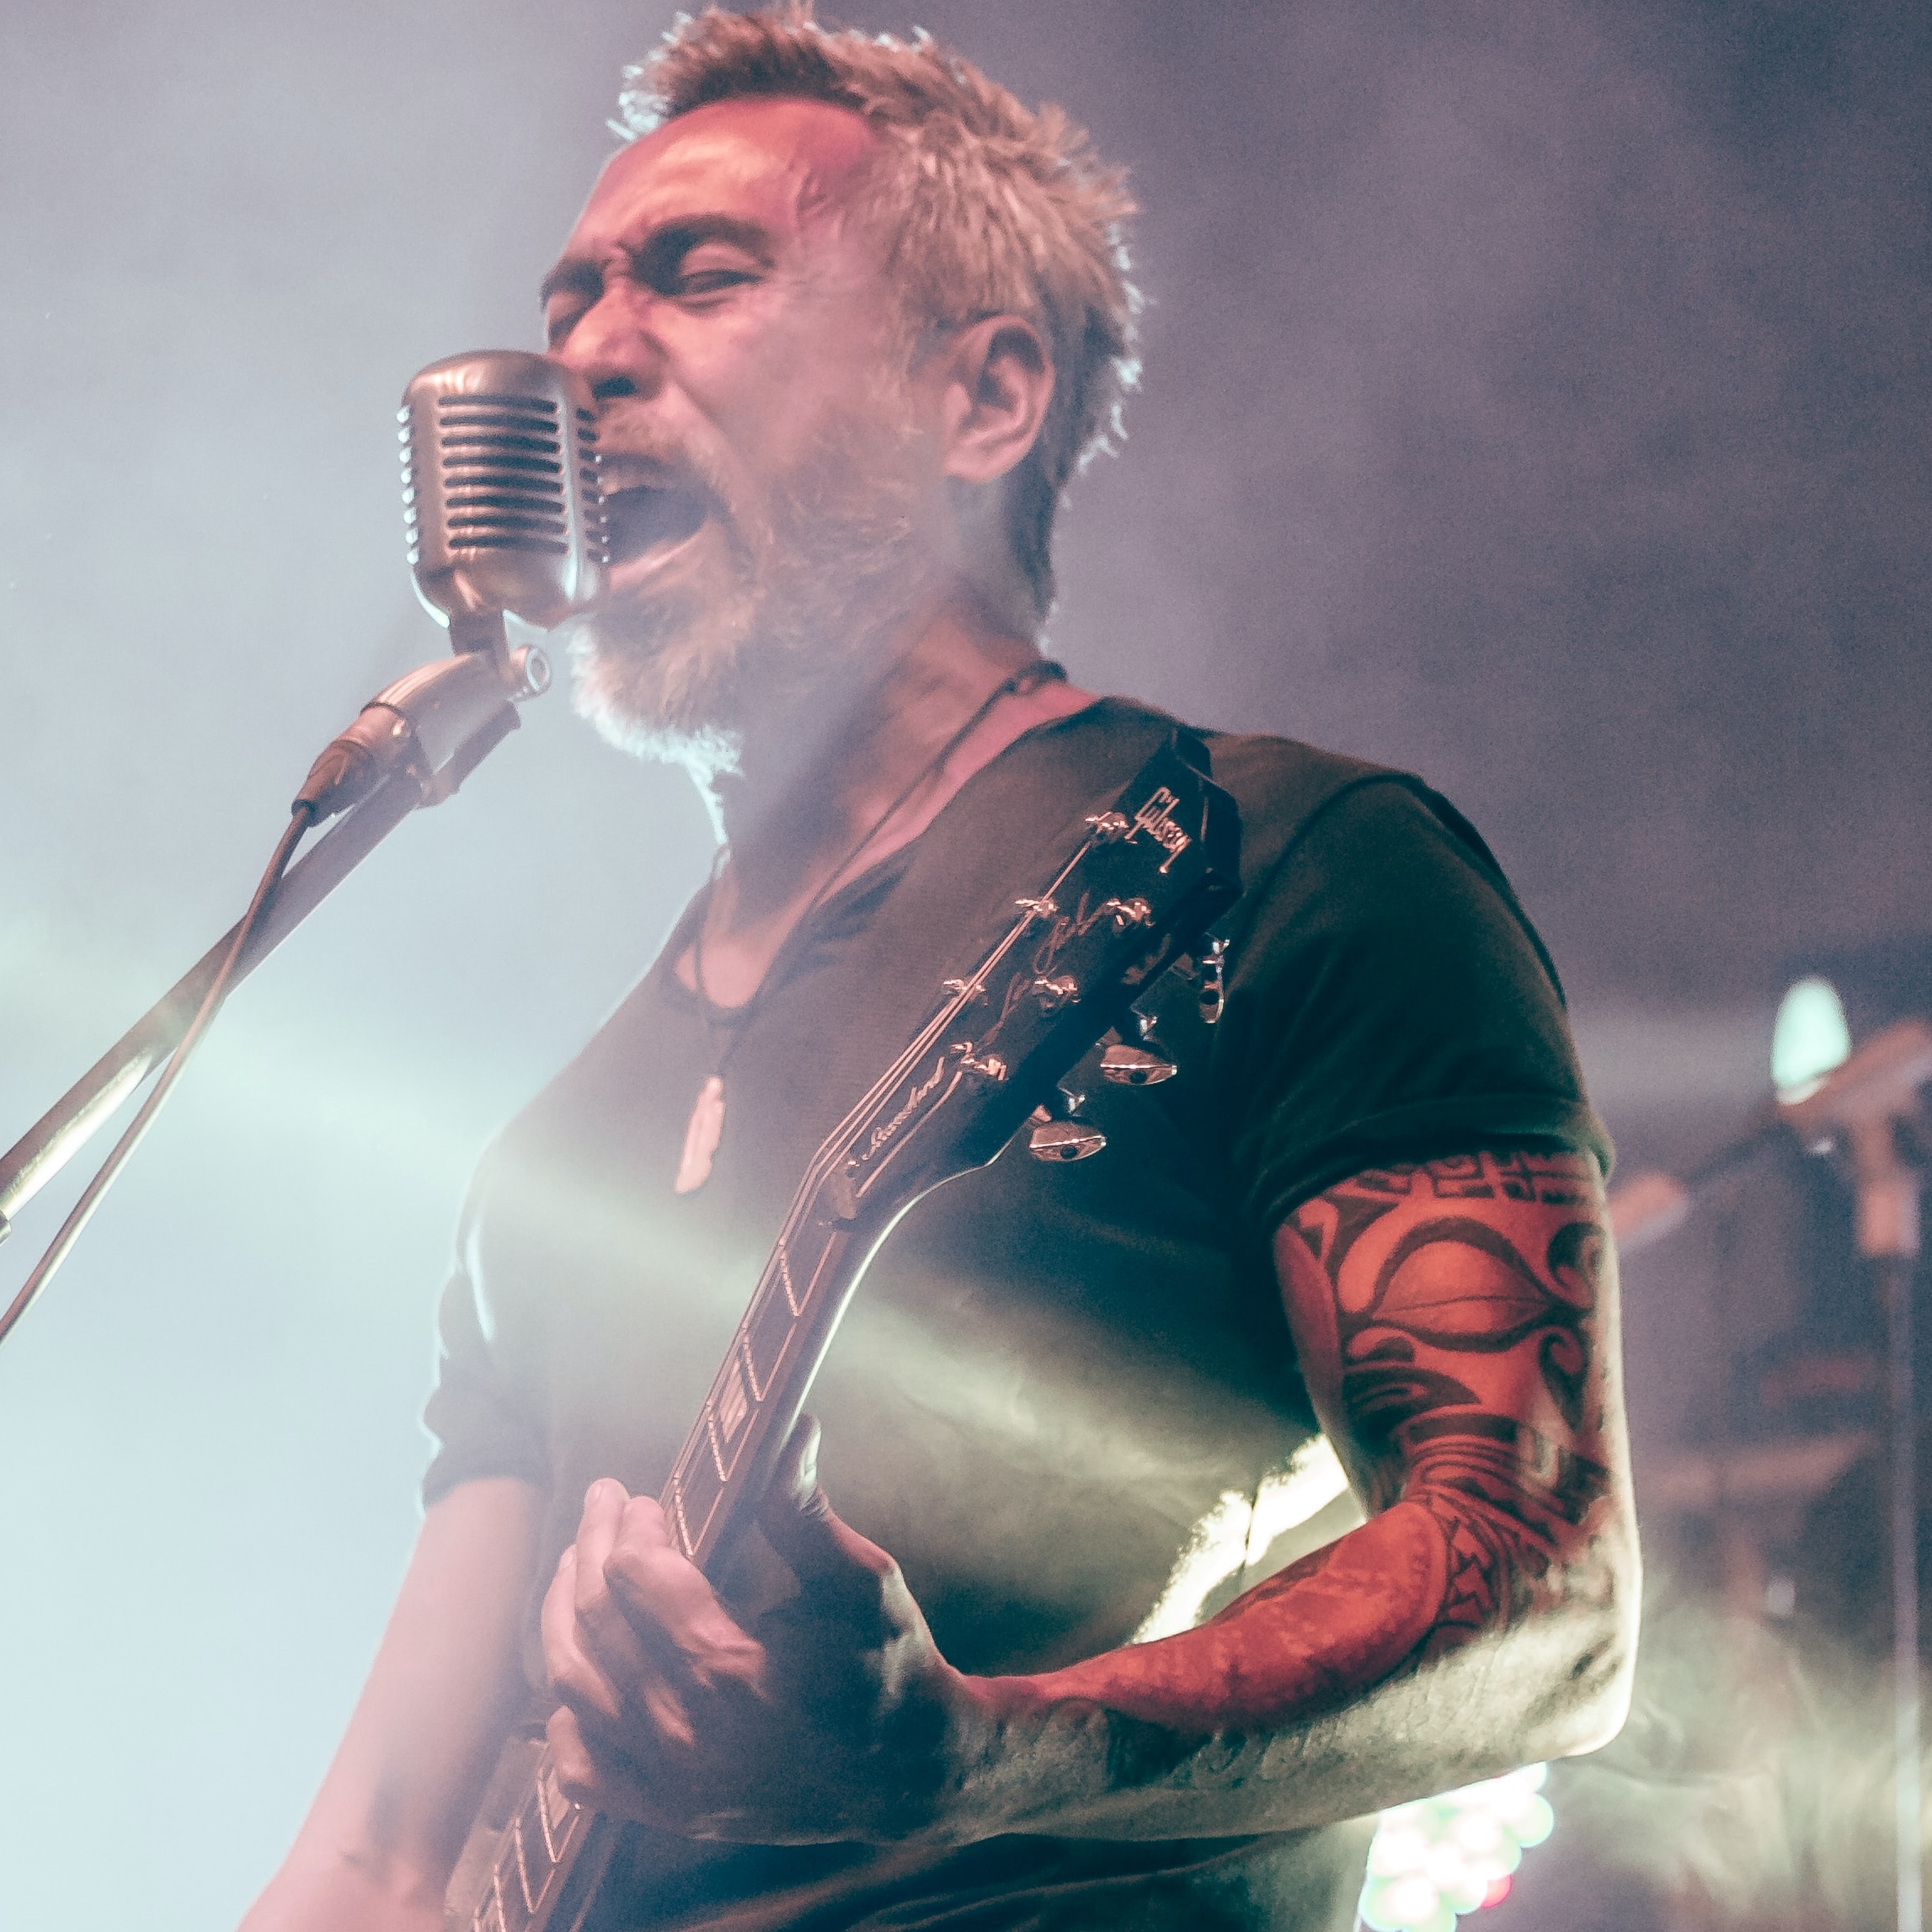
(1888, 1224)
(1863, 1105)
(447, 717)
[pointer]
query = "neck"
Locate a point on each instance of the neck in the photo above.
(811, 785)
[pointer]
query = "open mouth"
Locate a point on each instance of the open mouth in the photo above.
(646, 520)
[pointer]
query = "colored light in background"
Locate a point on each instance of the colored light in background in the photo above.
(1439, 1857)
(1809, 1038)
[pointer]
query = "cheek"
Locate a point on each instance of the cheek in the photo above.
(778, 386)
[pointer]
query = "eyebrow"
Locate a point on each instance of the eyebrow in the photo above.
(579, 274)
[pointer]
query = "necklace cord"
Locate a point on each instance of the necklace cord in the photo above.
(1028, 679)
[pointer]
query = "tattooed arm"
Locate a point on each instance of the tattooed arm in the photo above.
(1457, 1324)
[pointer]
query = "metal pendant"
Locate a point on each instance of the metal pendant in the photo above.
(1051, 1139)
(701, 1136)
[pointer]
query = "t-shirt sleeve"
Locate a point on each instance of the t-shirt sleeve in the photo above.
(1388, 1002)
(474, 1415)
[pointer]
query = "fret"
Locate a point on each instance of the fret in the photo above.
(531, 1893)
(509, 1913)
(686, 1542)
(768, 1332)
(557, 1816)
(735, 1406)
(699, 1491)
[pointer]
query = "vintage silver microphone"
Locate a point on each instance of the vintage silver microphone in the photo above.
(499, 492)
(503, 514)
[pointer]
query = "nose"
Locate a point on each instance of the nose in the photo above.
(613, 345)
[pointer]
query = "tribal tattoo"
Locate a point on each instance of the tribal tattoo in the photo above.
(1457, 1327)
(1467, 1377)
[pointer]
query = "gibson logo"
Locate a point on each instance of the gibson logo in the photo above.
(1155, 819)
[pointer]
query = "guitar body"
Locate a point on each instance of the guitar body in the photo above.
(1079, 946)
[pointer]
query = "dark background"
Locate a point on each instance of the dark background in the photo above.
(1535, 396)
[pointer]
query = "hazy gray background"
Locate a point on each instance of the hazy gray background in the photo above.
(1535, 396)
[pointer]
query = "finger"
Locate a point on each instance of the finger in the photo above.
(669, 1604)
(828, 1556)
(575, 1674)
(594, 1774)
(605, 1634)
(604, 1502)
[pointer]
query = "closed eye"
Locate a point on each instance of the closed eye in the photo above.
(700, 282)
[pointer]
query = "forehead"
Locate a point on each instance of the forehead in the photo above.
(780, 164)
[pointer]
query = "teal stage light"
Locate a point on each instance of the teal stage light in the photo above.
(1809, 1037)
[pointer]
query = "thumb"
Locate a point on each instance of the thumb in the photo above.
(799, 1525)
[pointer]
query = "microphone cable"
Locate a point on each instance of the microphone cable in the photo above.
(299, 820)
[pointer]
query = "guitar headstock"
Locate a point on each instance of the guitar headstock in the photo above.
(1151, 873)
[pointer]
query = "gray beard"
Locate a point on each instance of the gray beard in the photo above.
(803, 609)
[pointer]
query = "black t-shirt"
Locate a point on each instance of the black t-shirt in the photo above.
(1052, 1373)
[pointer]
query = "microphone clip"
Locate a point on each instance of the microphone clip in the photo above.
(435, 724)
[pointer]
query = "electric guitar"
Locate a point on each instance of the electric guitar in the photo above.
(1137, 893)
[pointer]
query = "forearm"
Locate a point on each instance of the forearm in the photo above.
(331, 1889)
(378, 1845)
(1353, 1680)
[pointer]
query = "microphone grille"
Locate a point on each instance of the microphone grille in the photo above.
(500, 495)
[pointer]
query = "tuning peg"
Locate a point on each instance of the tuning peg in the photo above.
(1051, 1139)
(1214, 980)
(1134, 1067)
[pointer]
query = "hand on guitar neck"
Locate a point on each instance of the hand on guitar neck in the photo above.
(829, 1719)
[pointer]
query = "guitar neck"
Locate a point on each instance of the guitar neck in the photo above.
(534, 1859)
(842, 1211)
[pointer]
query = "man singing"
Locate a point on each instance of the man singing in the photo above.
(853, 317)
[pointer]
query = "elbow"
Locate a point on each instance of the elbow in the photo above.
(1590, 1661)
(1594, 1697)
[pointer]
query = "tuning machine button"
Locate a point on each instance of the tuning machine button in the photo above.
(1214, 981)
(1207, 968)
(1134, 1067)
(1051, 1139)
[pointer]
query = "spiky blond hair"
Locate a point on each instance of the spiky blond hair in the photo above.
(988, 208)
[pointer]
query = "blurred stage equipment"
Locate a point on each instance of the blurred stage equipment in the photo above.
(1868, 1105)
(504, 514)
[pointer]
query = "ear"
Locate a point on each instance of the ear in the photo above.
(996, 382)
